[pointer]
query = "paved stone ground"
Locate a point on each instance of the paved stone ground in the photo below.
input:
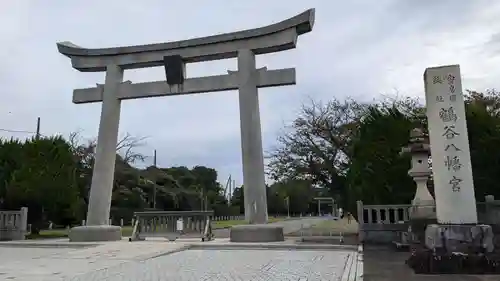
(64, 263)
(241, 265)
(384, 264)
(148, 260)
(8, 254)
(154, 260)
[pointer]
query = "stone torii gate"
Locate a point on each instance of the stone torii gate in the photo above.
(243, 45)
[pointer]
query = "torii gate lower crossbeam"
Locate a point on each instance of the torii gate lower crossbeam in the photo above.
(247, 77)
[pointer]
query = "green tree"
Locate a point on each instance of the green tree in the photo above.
(238, 199)
(377, 172)
(211, 189)
(353, 149)
(10, 161)
(483, 125)
(46, 182)
(298, 193)
(34, 173)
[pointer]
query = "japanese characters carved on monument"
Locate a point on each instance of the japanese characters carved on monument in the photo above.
(451, 83)
(455, 184)
(453, 163)
(449, 132)
(452, 146)
(437, 80)
(448, 115)
(450, 79)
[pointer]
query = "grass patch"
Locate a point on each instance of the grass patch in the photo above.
(226, 224)
(49, 234)
(336, 226)
(229, 223)
(127, 230)
(63, 233)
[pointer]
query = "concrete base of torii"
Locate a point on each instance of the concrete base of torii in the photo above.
(95, 233)
(256, 233)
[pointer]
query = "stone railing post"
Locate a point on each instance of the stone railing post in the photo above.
(489, 208)
(361, 221)
(23, 227)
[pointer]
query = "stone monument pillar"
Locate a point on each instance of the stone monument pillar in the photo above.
(452, 169)
(457, 238)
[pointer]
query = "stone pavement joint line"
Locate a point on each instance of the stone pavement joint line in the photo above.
(244, 265)
(353, 269)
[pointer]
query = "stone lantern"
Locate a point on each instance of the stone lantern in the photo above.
(423, 211)
(423, 203)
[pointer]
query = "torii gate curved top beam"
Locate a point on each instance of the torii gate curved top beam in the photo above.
(272, 38)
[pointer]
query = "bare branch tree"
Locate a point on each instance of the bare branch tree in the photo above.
(126, 147)
(316, 145)
(83, 151)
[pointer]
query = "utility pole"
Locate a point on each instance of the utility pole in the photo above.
(154, 186)
(37, 136)
(288, 206)
(231, 190)
(206, 201)
(227, 189)
(203, 199)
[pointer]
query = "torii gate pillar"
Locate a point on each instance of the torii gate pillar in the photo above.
(255, 197)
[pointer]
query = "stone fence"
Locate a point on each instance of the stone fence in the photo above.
(489, 212)
(381, 224)
(214, 218)
(228, 218)
(122, 222)
(173, 224)
(13, 224)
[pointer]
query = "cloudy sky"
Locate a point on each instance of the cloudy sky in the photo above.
(358, 48)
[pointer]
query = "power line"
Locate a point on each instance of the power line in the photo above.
(16, 131)
(37, 133)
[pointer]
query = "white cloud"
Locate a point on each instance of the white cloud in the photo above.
(357, 48)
